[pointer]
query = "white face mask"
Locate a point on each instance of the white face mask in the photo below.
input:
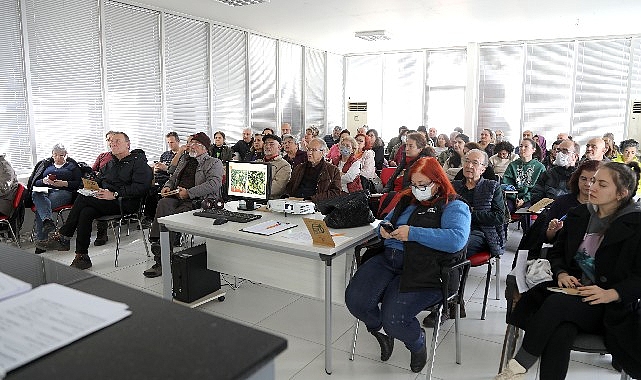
(193, 154)
(403, 139)
(562, 159)
(423, 195)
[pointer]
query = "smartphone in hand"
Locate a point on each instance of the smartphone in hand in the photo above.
(387, 226)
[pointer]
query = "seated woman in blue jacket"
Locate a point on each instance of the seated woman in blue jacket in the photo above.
(430, 228)
(61, 175)
(597, 253)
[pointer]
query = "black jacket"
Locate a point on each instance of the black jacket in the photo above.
(617, 266)
(130, 177)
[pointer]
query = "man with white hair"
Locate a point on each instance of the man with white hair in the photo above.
(242, 147)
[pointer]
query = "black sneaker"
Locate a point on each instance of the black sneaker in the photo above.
(101, 240)
(81, 262)
(55, 242)
(48, 226)
(154, 271)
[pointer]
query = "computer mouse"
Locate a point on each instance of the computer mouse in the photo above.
(219, 221)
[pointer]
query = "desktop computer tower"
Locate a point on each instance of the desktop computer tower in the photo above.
(191, 278)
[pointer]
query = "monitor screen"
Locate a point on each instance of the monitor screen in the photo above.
(249, 181)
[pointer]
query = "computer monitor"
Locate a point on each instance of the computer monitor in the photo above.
(249, 181)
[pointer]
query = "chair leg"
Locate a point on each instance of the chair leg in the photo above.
(509, 345)
(432, 354)
(118, 242)
(624, 376)
(487, 287)
(353, 352)
(144, 239)
(457, 332)
(497, 262)
(16, 238)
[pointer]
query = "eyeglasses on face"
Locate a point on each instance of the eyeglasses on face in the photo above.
(564, 150)
(421, 187)
(313, 150)
(475, 163)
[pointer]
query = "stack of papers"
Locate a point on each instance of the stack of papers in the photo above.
(47, 318)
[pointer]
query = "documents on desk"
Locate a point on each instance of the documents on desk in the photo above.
(269, 227)
(10, 286)
(47, 318)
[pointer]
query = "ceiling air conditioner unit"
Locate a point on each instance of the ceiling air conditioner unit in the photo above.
(634, 120)
(356, 116)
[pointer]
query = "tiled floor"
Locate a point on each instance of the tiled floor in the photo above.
(300, 320)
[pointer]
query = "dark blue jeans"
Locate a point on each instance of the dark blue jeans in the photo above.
(378, 281)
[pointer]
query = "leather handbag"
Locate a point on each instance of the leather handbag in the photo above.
(347, 210)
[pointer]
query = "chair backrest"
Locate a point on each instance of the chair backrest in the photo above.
(386, 174)
(18, 197)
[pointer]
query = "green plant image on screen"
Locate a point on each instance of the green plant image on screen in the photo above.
(256, 182)
(248, 182)
(238, 181)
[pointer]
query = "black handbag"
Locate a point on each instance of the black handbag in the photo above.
(346, 211)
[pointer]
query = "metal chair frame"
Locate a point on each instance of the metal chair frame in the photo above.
(126, 217)
(5, 219)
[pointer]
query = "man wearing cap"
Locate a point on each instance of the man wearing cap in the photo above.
(281, 169)
(334, 138)
(195, 178)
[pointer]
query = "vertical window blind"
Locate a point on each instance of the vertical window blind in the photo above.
(500, 89)
(15, 139)
(229, 68)
(549, 73)
(315, 90)
(290, 61)
(186, 76)
(133, 71)
(262, 82)
(403, 76)
(336, 104)
(66, 92)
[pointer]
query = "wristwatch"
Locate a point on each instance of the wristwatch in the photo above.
(115, 194)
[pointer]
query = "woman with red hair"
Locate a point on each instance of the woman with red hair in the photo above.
(428, 228)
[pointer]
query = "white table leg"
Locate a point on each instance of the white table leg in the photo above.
(328, 315)
(166, 263)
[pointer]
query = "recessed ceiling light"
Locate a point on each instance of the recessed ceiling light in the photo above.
(372, 35)
(238, 3)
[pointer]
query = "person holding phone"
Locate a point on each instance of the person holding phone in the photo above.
(61, 175)
(598, 253)
(428, 228)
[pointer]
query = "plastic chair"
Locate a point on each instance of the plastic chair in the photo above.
(126, 217)
(6, 219)
(456, 298)
(386, 174)
(485, 258)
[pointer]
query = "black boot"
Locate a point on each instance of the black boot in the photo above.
(387, 344)
(418, 359)
(101, 233)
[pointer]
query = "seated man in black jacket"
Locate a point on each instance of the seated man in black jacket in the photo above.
(126, 175)
(553, 182)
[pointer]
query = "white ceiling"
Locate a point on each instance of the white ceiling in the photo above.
(413, 24)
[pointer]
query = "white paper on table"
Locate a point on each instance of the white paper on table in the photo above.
(50, 317)
(10, 286)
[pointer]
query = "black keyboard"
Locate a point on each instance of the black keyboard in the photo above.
(238, 217)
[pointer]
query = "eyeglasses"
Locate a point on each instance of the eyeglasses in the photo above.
(475, 163)
(564, 150)
(591, 146)
(421, 187)
(315, 150)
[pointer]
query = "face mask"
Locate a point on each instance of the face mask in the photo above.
(193, 154)
(423, 195)
(403, 139)
(562, 159)
(345, 151)
(499, 138)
